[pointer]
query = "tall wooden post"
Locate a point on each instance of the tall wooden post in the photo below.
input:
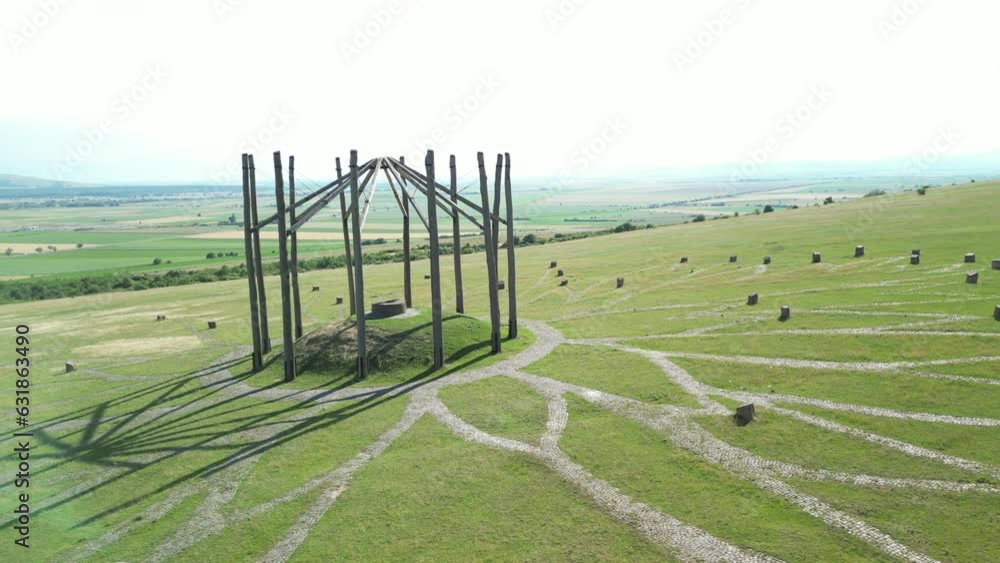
(432, 227)
(265, 338)
(359, 277)
(296, 298)
(457, 239)
(497, 198)
(511, 275)
(258, 355)
(491, 268)
(347, 240)
(286, 286)
(407, 283)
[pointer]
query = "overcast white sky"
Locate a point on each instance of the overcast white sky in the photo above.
(204, 80)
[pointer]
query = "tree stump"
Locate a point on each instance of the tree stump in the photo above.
(767, 260)
(315, 288)
(427, 276)
(817, 257)
(553, 264)
(560, 274)
(501, 285)
(970, 258)
(621, 283)
(753, 299)
(915, 252)
(745, 414)
(161, 318)
(732, 259)
(859, 251)
(996, 313)
(70, 367)
(972, 277)
(786, 313)
(212, 325)
(915, 260)
(996, 264)
(389, 308)
(340, 300)
(564, 283)
(684, 260)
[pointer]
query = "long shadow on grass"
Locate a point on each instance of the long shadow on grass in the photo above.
(209, 422)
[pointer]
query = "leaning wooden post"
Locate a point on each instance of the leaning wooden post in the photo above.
(347, 239)
(407, 283)
(511, 277)
(432, 227)
(296, 299)
(491, 268)
(286, 285)
(457, 239)
(497, 198)
(265, 338)
(359, 276)
(258, 355)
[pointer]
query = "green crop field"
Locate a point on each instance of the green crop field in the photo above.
(605, 432)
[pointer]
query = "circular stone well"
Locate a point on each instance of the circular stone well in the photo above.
(390, 308)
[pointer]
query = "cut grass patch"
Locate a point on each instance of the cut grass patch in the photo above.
(499, 406)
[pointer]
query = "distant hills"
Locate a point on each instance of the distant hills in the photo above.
(15, 181)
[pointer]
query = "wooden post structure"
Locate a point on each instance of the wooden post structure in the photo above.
(407, 283)
(359, 277)
(286, 286)
(296, 298)
(491, 269)
(497, 198)
(265, 338)
(511, 272)
(457, 239)
(258, 354)
(432, 227)
(347, 241)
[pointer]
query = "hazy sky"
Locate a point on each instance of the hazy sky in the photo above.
(137, 90)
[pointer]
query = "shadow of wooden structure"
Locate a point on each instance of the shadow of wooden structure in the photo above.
(355, 192)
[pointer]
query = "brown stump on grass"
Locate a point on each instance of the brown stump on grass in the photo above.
(315, 288)
(915, 260)
(970, 258)
(732, 259)
(564, 283)
(745, 414)
(996, 313)
(684, 260)
(767, 260)
(786, 313)
(972, 277)
(70, 367)
(915, 252)
(389, 308)
(553, 264)
(161, 318)
(427, 276)
(560, 274)
(501, 285)
(212, 325)
(621, 283)
(753, 299)
(859, 251)
(996, 264)
(817, 257)
(340, 300)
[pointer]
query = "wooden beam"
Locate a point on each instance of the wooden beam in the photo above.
(319, 205)
(286, 287)
(419, 180)
(497, 198)
(359, 277)
(456, 239)
(265, 338)
(437, 329)
(423, 180)
(371, 195)
(258, 354)
(511, 272)
(296, 297)
(338, 187)
(407, 279)
(491, 269)
(407, 195)
(347, 242)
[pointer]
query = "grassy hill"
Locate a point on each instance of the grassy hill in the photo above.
(605, 433)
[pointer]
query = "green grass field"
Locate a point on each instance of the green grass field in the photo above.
(605, 432)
